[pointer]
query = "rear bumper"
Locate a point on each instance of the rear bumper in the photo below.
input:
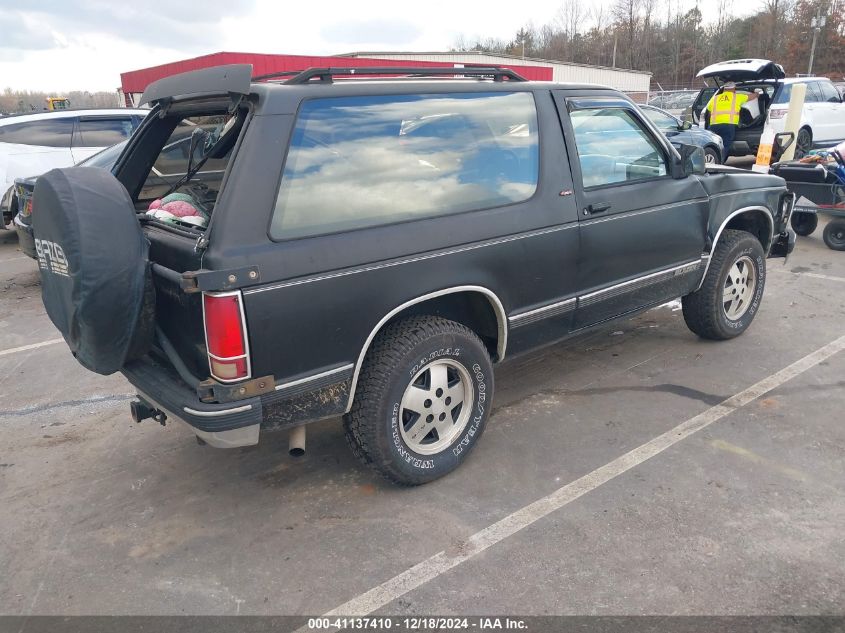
(321, 395)
(26, 240)
(224, 425)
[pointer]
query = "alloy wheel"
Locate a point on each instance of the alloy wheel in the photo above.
(739, 288)
(436, 406)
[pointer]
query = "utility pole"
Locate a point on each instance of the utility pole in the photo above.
(816, 24)
(615, 39)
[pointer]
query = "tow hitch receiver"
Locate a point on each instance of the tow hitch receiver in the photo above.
(142, 410)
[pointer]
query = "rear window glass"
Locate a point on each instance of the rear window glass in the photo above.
(103, 132)
(106, 158)
(365, 161)
(47, 133)
(171, 165)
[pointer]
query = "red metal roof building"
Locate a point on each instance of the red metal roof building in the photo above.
(134, 82)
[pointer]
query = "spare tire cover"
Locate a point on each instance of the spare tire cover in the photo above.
(94, 261)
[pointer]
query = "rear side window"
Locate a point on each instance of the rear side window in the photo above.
(365, 161)
(47, 133)
(614, 147)
(813, 95)
(102, 132)
(828, 92)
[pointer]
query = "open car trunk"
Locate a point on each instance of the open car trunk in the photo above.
(738, 70)
(175, 169)
(760, 75)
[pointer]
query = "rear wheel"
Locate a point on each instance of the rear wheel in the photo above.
(422, 401)
(6, 218)
(711, 156)
(730, 295)
(804, 142)
(834, 235)
(804, 223)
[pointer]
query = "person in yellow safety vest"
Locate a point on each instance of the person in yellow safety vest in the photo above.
(724, 109)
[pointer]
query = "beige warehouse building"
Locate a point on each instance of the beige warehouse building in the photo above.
(632, 81)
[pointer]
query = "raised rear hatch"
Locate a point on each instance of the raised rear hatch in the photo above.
(742, 70)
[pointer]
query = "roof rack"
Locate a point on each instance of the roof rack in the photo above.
(325, 75)
(276, 75)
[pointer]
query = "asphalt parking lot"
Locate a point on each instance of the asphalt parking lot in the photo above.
(721, 509)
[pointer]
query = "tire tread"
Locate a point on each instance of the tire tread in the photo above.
(387, 349)
(698, 307)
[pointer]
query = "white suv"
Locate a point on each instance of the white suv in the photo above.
(31, 144)
(822, 118)
(823, 115)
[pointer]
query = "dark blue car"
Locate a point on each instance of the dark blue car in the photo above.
(678, 131)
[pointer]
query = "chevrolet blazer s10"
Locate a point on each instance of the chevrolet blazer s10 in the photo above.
(368, 244)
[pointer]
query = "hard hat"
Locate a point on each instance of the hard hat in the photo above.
(730, 86)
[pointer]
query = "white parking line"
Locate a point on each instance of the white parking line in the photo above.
(820, 276)
(816, 275)
(24, 348)
(442, 562)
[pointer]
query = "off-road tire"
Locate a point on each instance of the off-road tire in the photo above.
(834, 235)
(397, 354)
(804, 223)
(704, 310)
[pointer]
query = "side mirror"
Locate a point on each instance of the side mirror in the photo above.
(691, 162)
(685, 125)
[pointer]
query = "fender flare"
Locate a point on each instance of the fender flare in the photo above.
(756, 208)
(495, 303)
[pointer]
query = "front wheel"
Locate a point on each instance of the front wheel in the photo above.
(834, 235)
(711, 156)
(422, 401)
(804, 223)
(732, 290)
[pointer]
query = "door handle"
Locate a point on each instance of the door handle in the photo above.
(598, 207)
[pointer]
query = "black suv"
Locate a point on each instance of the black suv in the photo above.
(375, 244)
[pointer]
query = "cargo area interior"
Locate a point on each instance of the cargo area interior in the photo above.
(752, 114)
(176, 169)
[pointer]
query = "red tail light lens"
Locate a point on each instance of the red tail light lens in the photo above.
(225, 336)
